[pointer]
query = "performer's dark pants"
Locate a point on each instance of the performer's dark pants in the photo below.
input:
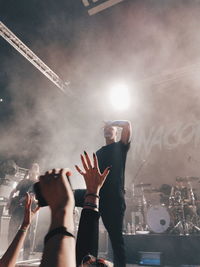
(112, 213)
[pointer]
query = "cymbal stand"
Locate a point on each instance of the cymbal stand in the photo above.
(184, 226)
(181, 225)
(143, 209)
(191, 225)
(138, 217)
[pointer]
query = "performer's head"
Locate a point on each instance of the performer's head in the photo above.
(34, 171)
(110, 133)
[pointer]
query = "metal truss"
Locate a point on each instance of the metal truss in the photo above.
(31, 57)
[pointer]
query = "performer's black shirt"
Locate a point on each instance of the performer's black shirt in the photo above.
(113, 155)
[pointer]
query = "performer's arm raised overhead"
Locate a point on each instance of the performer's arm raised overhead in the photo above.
(126, 129)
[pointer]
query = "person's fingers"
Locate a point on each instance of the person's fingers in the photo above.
(79, 170)
(95, 160)
(48, 172)
(56, 171)
(105, 173)
(53, 171)
(88, 160)
(30, 202)
(66, 181)
(84, 163)
(36, 209)
(27, 203)
(63, 175)
(96, 165)
(57, 174)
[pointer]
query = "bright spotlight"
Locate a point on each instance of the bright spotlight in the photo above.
(119, 96)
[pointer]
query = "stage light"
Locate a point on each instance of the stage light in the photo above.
(119, 96)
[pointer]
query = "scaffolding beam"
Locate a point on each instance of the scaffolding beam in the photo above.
(13, 40)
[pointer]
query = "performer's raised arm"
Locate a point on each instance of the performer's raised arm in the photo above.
(126, 129)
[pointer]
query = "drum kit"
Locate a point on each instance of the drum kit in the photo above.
(167, 209)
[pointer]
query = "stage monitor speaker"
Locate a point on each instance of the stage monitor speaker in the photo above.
(150, 258)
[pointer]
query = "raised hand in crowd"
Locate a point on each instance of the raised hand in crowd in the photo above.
(10, 257)
(88, 232)
(94, 179)
(59, 249)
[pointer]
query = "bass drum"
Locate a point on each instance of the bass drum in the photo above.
(158, 219)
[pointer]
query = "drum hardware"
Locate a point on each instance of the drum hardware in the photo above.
(175, 212)
(138, 218)
(182, 203)
(185, 225)
(158, 218)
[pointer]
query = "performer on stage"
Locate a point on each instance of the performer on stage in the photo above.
(16, 207)
(112, 199)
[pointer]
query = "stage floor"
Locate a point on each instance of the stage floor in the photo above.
(35, 261)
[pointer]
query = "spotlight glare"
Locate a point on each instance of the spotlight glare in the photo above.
(119, 96)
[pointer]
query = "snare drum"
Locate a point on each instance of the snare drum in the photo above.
(158, 218)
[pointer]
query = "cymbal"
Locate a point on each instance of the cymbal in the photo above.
(181, 179)
(187, 179)
(152, 191)
(142, 185)
(193, 178)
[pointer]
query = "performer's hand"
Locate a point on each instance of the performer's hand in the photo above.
(94, 179)
(56, 189)
(28, 213)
